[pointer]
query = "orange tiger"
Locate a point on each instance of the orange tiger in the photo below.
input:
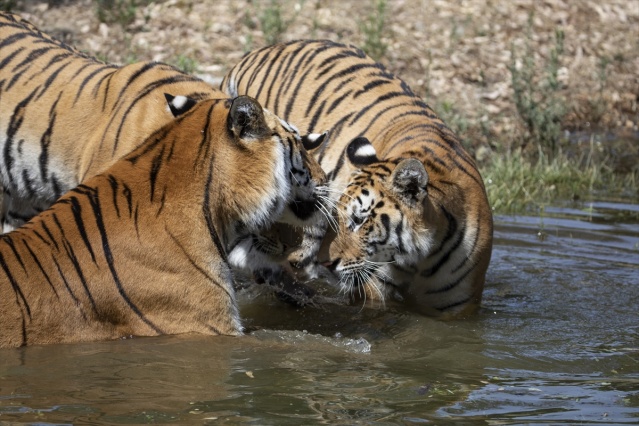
(65, 116)
(412, 211)
(141, 249)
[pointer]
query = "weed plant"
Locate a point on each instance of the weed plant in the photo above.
(272, 24)
(118, 11)
(374, 30)
(538, 104)
(186, 64)
(514, 183)
(7, 5)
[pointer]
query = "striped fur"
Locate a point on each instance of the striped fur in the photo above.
(421, 230)
(51, 94)
(141, 249)
(65, 116)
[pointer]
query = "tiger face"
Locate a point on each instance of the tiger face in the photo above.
(307, 180)
(381, 224)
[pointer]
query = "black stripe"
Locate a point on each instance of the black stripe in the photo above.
(30, 60)
(94, 199)
(37, 262)
(13, 38)
(206, 136)
(90, 76)
(114, 187)
(206, 210)
(10, 243)
(298, 87)
(78, 269)
(49, 234)
(126, 191)
(47, 84)
(294, 69)
(67, 286)
(45, 141)
(28, 185)
(473, 247)
(10, 57)
(37, 234)
(450, 233)
(208, 277)
(399, 229)
(57, 186)
(338, 101)
(455, 283)
(15, 286)
(76, 209)
(273, 59)
(162, 202)
(156, 164)
(14, 125)
(455, 304)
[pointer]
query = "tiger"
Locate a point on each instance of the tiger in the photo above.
(52, 93)
(65, 117)
(141, 249)
(412, 219)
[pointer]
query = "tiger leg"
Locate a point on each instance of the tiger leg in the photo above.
(262, 256)
(305, 258)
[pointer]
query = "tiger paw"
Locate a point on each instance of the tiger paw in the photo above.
(286, 288)
(299, 258)
(295, 293)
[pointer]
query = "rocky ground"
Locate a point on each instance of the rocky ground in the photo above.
(457, 54)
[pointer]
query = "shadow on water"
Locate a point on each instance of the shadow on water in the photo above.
(556, 341)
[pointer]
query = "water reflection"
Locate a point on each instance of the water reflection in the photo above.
(557, 341)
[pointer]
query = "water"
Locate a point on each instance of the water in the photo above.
(557, 341)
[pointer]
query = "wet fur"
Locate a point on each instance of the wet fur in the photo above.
(141, 249)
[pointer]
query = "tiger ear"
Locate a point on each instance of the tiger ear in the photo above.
(361, 152)
(409, 180)
(246, 119)
(178, 105)
(314, 140)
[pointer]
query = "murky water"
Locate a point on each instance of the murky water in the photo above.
(557, 341)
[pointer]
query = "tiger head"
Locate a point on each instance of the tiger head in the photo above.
(299, 179)
(307, 180)
(381, 221)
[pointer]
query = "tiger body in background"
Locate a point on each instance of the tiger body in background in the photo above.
(65, 117)
(141, 249)
(413, 216)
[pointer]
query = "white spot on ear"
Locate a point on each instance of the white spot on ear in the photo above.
(179, 101)
(365, 151)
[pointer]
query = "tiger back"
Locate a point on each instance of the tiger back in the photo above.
(414, 220)
(142, 248)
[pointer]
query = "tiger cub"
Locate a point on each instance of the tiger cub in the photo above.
(141, 249)
(411, 207)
